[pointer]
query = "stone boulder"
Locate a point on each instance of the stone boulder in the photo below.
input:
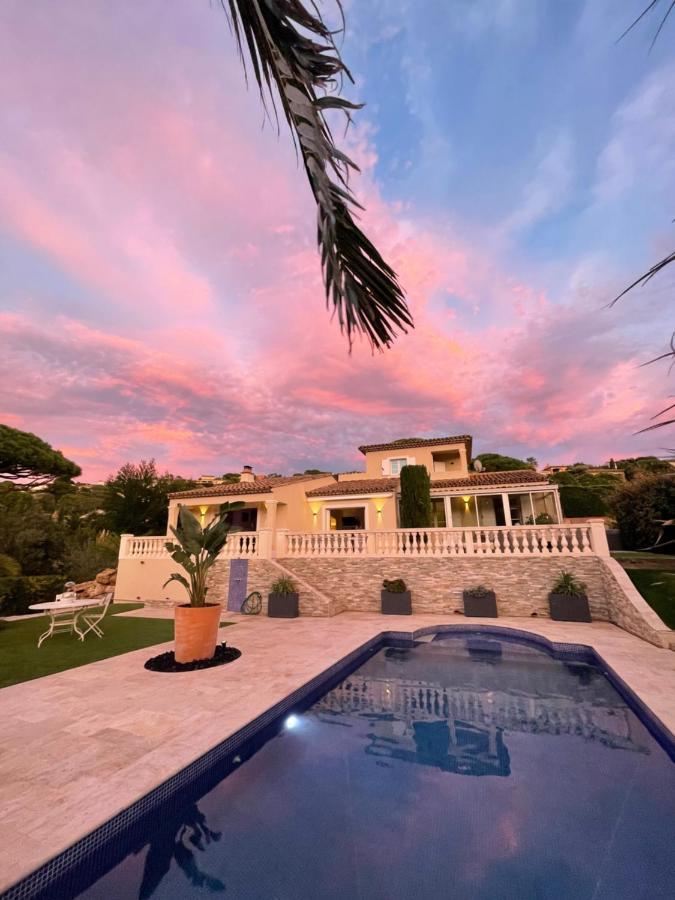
(107, 577)
(102, 584)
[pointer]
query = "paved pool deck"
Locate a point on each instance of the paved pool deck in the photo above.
(80, 746)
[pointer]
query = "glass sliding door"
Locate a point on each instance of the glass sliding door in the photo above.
(490, 509)
(544, 507)
(438, 512)
(521, 509)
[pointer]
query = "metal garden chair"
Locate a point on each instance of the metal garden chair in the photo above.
(95, 615)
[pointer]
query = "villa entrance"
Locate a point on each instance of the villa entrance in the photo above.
(243, 519)
(351, 518)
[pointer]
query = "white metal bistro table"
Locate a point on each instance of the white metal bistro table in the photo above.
(57, 609)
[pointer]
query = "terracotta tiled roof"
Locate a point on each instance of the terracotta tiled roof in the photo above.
(475, 479)
(360, 486)
(404, 443)
(481, 479)
(262, 485)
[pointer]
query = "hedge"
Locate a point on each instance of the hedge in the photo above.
(579, 501)
(640, 505)
(18, 593)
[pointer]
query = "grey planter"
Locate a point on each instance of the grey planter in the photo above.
(396, 604)
(569, 607)
(283, 606)
(485, 605)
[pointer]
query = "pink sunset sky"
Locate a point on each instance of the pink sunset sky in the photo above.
(160, 289)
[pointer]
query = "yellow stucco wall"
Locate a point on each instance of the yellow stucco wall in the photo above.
(420, 456)
(143, 579)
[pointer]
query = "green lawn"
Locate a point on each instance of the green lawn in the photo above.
(20, 659)
(658, 589)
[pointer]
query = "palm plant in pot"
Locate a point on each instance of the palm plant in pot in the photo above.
(196, 550)
(568, 601)
(283, 599)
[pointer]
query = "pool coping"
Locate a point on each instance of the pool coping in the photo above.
(42, 881)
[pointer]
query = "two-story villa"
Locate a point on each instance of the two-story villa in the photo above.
(339, 536)
(369, 500)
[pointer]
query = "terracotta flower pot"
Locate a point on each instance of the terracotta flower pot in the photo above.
(196, 631)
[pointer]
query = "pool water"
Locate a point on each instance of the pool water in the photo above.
(470, 766)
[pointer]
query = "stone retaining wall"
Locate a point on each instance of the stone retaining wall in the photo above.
(522, 586)
(262, 573)
(329, 586)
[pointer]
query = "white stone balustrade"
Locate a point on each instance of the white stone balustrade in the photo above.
(586, 539)
(537, 540)
(240, 545)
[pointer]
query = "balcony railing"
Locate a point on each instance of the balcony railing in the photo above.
(240, 545)
(586, 539)
(543, 540)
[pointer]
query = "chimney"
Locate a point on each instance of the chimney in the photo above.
(247, 474)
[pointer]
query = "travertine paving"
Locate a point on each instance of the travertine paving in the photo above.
(79, 746)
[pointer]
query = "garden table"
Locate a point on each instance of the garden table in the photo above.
(64, 613)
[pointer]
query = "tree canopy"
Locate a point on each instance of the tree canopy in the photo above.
(135, 499)
(644, 465)
(28, 461)
(495, 462)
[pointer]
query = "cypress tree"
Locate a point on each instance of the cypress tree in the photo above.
(415, 497)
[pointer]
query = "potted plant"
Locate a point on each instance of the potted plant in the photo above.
(196, 550)
(568, 601)
(282, 602)
(480, 601)
(395, 598)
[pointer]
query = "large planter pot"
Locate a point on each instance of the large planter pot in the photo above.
(569, 607)
(396, 604)
(484, 605)
(283, 606)
(196, 631)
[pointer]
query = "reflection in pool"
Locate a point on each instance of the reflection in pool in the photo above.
(471, 767)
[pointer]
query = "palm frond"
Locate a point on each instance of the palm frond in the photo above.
(293, 50)
(650, 6)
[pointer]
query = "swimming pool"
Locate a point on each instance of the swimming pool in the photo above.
(474, 765)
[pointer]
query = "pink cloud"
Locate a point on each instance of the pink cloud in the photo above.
(195, 330)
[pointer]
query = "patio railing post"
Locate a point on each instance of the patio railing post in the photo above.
(263, 548)
(124, 545)
(599, 543)
(281, 542)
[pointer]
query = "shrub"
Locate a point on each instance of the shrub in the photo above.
(578, 501)
(567, 583)
(479, 591)
(284, 586)
(83, 559)
(639, 505)
(415, 497)
(396, 586)
(8, 565)
(18, 593)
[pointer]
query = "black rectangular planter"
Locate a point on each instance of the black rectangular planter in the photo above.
(483, 605)
(282, 606)
(396, 604)
(569, 607)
